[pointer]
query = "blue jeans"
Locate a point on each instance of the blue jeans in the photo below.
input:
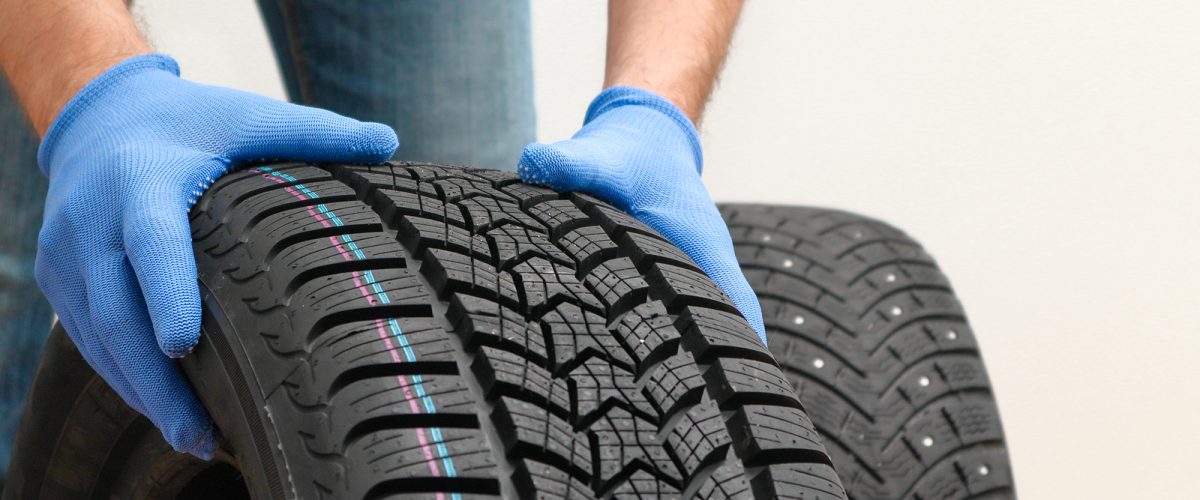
(454, 78)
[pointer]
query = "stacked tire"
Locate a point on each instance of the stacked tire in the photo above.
(871, 335)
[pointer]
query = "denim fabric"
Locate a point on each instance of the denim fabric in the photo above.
(25, 315)
(453, 77)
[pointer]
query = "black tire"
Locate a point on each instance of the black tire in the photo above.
(879, 350)
(397, 330)
(78, 439)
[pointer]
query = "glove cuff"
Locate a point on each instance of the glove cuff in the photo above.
(615, 97)
(94, 91)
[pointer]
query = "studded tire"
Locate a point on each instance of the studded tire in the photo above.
(412, 329)
(879, 350)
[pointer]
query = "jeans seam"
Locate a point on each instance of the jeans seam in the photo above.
(294, 48)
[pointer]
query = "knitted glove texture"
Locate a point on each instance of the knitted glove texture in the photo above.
(127, 157)
(640, 153)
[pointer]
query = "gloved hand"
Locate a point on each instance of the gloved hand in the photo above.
(640, 153)
(127, 157)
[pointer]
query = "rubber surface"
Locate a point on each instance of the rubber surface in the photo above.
(78, 439)
(879, 350)
(414, 328)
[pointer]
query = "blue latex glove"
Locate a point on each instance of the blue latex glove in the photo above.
(127, 157)
(640, 153)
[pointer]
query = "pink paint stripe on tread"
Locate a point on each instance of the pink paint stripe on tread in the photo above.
(426, 449)
(408, 395)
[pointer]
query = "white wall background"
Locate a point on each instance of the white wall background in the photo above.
(1047, 152)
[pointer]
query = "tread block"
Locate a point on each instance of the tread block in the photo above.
(589, 244)
(674, 382)
(424, 452)
(618, 283)
(654, 247)
(642, 484)
(648, 333)
(503, 373)
(512, 244)
(398, 204)
(390, 401)
(530, 431)
(686, 286)
(452, 272)
(433, 233)
(622, 442)
(798, 481)
(544, 283)
(700, 438)
(560, 216)
(741, 381)
(369, 348)
(711, 333)
(727, 481)
(538, 480)
(483, 322)
(577, 334)
(598, 385)
(485, 212)
(767, 434)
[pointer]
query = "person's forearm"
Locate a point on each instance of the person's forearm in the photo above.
(671, 47)
(49, 49)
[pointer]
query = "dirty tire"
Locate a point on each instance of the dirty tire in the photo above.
(425, 329)
(879, 351)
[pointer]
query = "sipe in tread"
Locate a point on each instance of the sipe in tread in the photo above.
(879, 350)
(414, 328)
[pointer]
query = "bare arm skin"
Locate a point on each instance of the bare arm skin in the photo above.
(49, 49)
(674, 48)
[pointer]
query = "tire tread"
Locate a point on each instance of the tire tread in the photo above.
(567, 349)
(870, 356)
